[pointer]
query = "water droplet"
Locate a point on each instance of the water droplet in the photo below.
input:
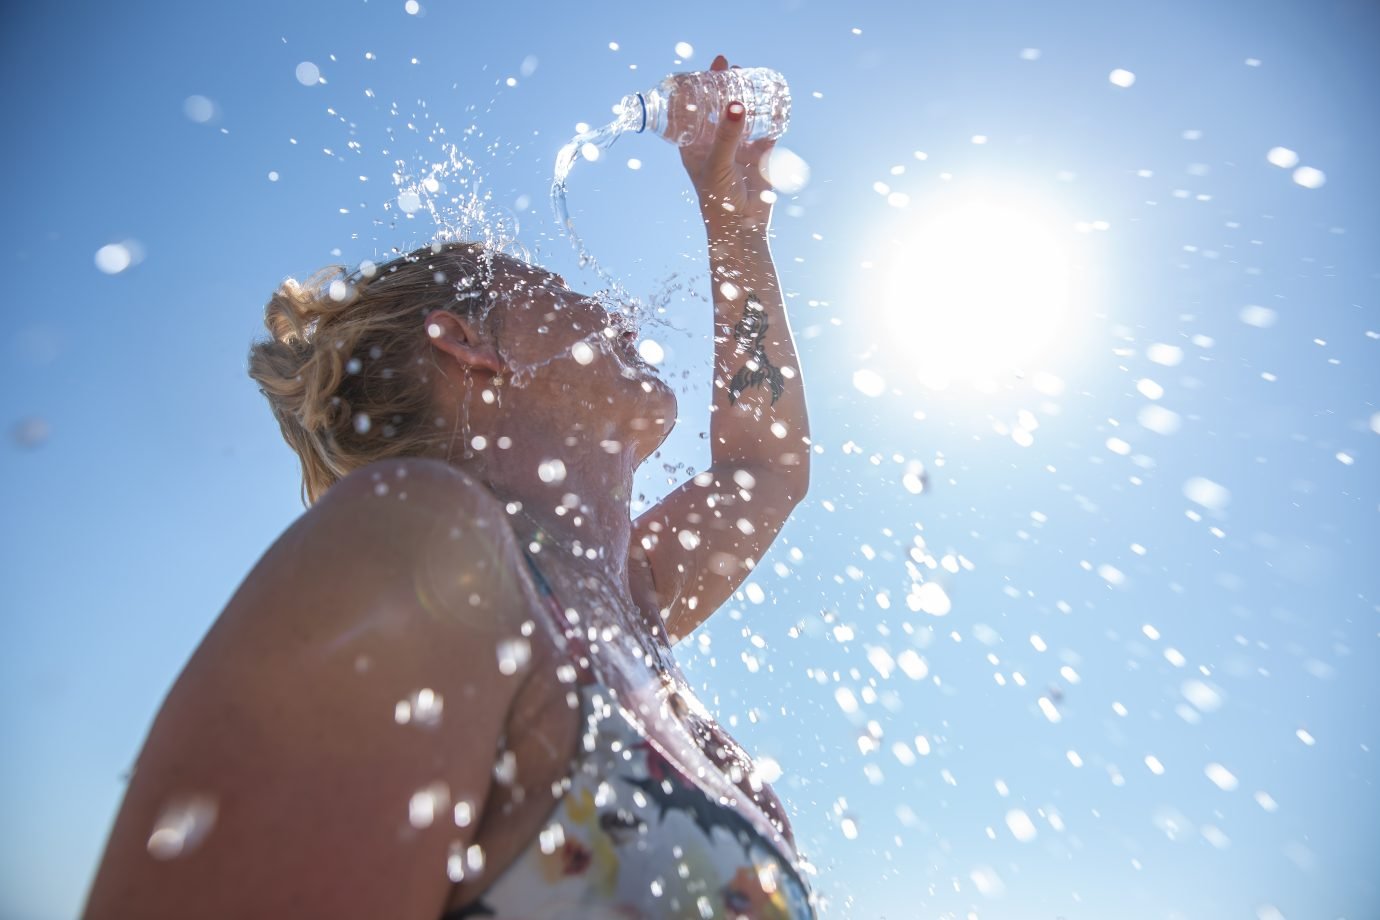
(474, 858)
(1121, 78)
(582, 353)
(1282, 157)
(551, 471)
(1048, 708)
(651, 351)
(1206, 697)
(30, 432)
(455, 862)
(1207, 493)
(1020, 825)
(913, 665)
(1158, 419)
(181, 826)
(1258, 316)
(513, 655)
(869, 382)
(766, 769)
(929, 597)
(551, 838)
(1167, 355)
(987, 882)
(846, 700)
(425, 803)
(786, 170)
(308, 74)
(114, 258)
(199, 109)
(1221, 777)
(1308, 177)
(684, 50)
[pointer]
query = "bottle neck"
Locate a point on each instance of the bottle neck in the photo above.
(641, 113)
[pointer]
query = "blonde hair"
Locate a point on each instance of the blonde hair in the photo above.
(340, 372)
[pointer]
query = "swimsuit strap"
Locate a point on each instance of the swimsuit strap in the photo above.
(573, 638)
(543, 586)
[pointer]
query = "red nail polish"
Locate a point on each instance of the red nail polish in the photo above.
(736, 111)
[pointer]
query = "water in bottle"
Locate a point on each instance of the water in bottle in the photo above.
(683, 108)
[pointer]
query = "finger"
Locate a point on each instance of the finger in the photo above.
(726, 138)
(720, 63)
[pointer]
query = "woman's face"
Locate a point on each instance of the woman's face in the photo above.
(574, 354)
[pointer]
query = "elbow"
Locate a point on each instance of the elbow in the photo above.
(798, 483)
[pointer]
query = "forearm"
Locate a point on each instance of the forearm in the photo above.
(757, 417)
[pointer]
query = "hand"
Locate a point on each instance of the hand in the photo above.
(730, 176)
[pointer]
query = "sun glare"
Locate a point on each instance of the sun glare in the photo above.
(979, 291)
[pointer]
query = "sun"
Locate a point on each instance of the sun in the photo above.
(979, 291)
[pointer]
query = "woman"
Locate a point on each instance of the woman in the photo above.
(447, 690)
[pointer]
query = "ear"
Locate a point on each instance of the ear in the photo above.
(460, 339)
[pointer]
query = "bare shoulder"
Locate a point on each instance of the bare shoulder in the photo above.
(413, 490)
(415, 527)
(348, 697)
(418, 474)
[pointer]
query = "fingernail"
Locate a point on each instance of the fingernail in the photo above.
(735, 111)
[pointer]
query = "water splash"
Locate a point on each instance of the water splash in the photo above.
(590, 145)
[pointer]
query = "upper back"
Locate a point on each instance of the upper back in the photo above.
(307, 759)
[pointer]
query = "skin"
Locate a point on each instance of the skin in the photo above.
(278, 778)
(601, 418)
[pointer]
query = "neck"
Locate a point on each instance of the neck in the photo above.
(578, 515)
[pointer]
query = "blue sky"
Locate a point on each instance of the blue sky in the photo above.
(1164, 517)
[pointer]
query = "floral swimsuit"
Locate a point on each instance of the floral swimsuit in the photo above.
(635, 838)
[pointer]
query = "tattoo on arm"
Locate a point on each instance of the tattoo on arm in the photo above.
(750, 333)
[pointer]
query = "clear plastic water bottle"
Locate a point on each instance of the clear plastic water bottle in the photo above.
(685, 107)
(682, 108)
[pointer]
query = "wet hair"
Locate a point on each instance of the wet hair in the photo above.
(346, 371)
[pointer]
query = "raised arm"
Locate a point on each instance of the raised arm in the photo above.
(703, 539)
